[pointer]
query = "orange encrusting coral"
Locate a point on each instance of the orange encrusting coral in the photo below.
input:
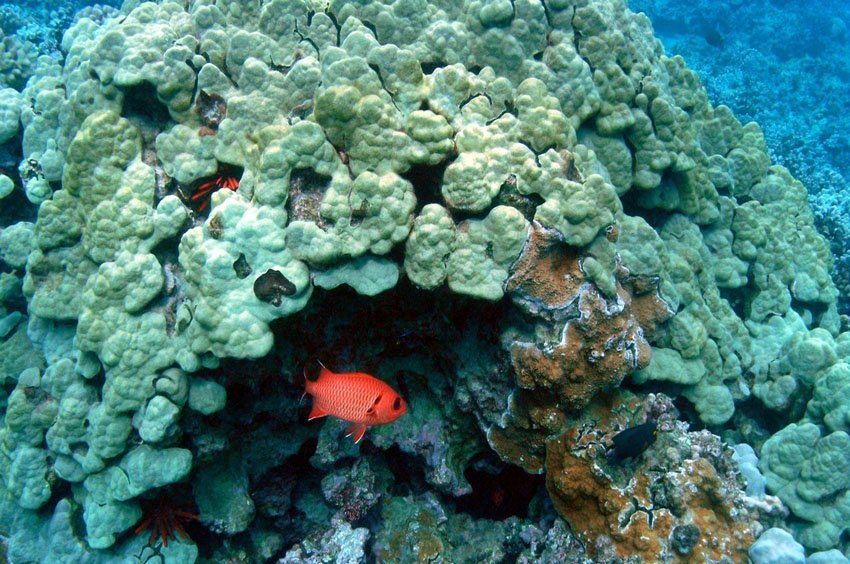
(620, 508)
(598, 341)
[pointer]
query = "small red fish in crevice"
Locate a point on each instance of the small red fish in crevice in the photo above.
(356, 397)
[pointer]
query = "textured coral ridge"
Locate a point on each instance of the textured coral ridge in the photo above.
(680, 502)
(547, 153)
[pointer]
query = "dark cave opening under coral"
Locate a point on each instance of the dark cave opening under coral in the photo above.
(427, 181)
(16, 207)
(350, 332)
(499, 491)
(737, 299)
(633, 206)
(345, 330)
(408, 477)
(141, 104)
(274, 493)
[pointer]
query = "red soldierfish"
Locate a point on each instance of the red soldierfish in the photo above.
(358, 398)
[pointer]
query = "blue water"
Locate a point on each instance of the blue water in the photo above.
(43, 23)
(786, 66)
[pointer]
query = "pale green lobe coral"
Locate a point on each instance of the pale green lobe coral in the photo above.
(104, 521)
(483, 252)
(120, 289)
(811, 474)
(264, 96)
(367, 275)
(223, 261)
(159, 415)
(28, 475)
(10, 113)
(153, 45)
(107, 437)
(76, 397)
(302, 147)
(54, 281)
(24, 464)
(713, 402)
(542, 124)
(105, 145)
(186, 154)
(831, 398)
(668, 365)
(358, 115)
(107, 511)
(104, 210)
(489, 158)
(428, 247)
(369, 214)
(788, 358)
(470, 183)
(7, 186)
(60, 221)
(578, 211)
(16, 242)
(432, 135)
(206, 396)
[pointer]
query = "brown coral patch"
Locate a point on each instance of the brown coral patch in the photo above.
(593, 507)
(212, 109)
(646, 304)
(547, 272)
(533, 418)
(637, 508)
(590, 342)
(605, 340)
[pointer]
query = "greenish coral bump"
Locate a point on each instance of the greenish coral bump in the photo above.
(382, 146)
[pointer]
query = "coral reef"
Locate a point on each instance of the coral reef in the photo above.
(508, 211)
(678, 501)
(17, 61)
(41, 24)
(787, 69)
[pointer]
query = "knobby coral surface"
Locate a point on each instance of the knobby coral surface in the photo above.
(503, 209)
(678, 501)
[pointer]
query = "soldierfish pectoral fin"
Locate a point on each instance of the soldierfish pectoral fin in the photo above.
(316, 412)
(358, 430)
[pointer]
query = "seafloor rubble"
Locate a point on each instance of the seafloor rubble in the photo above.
(520, 214)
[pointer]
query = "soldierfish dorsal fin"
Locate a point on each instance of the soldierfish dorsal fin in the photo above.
(307, 383)
(324, 371)
(316, 412)
(358, 430)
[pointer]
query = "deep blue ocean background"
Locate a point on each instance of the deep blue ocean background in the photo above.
(786, 66)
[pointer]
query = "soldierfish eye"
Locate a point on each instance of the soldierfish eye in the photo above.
(397, 404)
